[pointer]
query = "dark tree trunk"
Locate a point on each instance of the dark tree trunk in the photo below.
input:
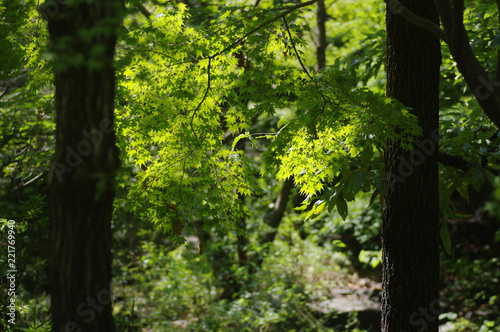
(321, 43)
(410, 240)
(81, 182)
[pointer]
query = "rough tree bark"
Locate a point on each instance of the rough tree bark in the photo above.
(410, 227)
(81, 181)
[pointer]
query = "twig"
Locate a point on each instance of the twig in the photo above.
(143, 10)
(304, 68)
(5, 91)
(209, 80)
(287, 10)
(256, 4)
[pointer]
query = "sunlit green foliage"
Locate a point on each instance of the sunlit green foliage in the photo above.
(12, 37)
(335, 136)
(26, 136)
(172, 103)
(184, 90)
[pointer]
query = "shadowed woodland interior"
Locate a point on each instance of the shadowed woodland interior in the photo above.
(323, 165)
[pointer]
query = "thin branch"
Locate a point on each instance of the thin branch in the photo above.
(286, 10)
(143, 9)
(205, 94)
(395, 7)
(275, 217)
(14, 189)
(304, 68)
(5, 92)
(209, 80)
(27, 183)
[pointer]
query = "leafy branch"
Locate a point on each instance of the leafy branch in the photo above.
(286, 10)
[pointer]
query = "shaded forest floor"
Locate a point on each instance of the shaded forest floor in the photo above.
(303, 284)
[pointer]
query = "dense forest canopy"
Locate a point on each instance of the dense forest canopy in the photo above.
(253, 138)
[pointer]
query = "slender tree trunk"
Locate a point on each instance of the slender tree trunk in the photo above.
(410, 243)
(81, 182)
(321, 44)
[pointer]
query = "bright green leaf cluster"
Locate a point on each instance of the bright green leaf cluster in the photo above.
(335, 137)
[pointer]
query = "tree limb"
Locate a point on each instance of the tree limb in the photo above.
(279, 211)
(5, 92)
(395, 7)
(138, 4)
(304, 68)
(143, 9)
(479, 81)
(486, 90)
(457, 22)
(444, 9)
(453, 161)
